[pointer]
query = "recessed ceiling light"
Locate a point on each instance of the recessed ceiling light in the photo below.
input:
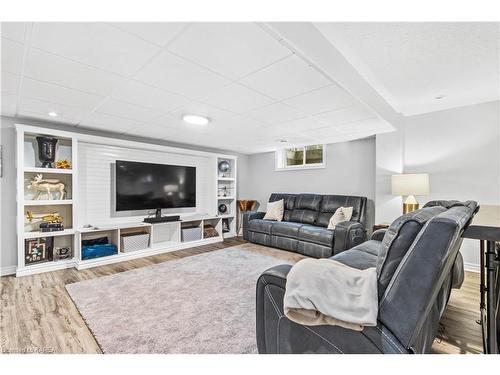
(195, 119)
(439, 97)
(283, 141)
(53, 114)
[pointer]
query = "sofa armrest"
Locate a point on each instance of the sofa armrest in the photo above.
(348, 234)
(277, 334)
(270, 292)
(378, 235)
(250, 215)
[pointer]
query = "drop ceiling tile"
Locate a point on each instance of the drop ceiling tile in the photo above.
(32, 107)
(96, 44)
(58, 94)
(9, 104)
(373, 125)
(286, 78)
(127, 110)
(275, 113)
(159, 33)
(10, 83)
(231, 49)
(14, 31)
(105, 122)
(299, 125)
(325, 99)
(238, 128)
(151, 131)
(180, 76)
(237, 98)
(12, 56)
(345, 115)
(326, 134)
(150, 97)
(47, 67)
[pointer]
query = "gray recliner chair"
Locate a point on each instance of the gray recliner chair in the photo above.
(418, 263)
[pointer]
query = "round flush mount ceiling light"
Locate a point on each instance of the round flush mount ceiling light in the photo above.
(53, 114)
(195, 119)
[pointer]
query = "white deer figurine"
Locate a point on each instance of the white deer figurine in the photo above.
(47, 186)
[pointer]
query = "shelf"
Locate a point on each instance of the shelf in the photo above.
(46, 202)
(225, 198)
(225, 178)
(47, 170)
(65, 232)
(229, 216)
(109, 227)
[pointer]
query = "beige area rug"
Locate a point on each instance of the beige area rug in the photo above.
(198, 304)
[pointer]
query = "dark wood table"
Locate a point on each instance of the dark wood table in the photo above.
(489, 283)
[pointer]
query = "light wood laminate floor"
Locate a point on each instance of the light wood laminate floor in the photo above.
(38, 316)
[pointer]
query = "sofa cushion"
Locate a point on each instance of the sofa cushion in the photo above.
(342, 214)
(361, 257)
(306, 208)
(260, 226)
(314, 250)
(321, 236)
(397, 241)
(289, 203)
(330, 203)
(274, 210)
(286, 229)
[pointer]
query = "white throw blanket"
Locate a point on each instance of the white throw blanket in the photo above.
(324, 291)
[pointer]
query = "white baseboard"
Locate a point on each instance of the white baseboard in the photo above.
(471, 267)
(9, 270)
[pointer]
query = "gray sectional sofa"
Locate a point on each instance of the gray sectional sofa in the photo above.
(304, 224)
(418, 263)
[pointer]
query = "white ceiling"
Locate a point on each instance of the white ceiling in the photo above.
(139, 78)
(409, 64)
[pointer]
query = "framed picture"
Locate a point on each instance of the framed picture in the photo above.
(38, 250)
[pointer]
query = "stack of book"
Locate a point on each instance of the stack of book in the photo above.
(51, 227)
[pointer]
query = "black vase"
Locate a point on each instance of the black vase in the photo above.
(46, 151)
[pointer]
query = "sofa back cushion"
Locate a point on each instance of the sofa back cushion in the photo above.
(330, 204)
(306, 208)
(413, 302)
(289, 200)
(397, 241)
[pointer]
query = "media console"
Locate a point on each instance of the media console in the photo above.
(163, 237)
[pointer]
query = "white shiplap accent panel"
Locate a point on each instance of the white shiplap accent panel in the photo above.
(96, 181)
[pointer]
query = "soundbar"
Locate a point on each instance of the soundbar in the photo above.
(162, 219)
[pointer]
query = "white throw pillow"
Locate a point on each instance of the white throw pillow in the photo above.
(275, 210)
(340, 215)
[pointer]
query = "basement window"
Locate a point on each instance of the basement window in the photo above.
(303, 157)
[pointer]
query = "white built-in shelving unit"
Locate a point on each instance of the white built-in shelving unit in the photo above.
(163, 237)
(226, 192)
(28, 166)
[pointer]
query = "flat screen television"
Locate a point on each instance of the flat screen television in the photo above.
(145, 186)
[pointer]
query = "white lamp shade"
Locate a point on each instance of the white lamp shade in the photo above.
(410, 184)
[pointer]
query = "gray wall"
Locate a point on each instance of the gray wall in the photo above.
(460, 150)
(8, 247)
(350, 170)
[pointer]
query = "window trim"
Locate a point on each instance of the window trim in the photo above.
(279, 159)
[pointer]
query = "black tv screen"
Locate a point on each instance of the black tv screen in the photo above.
(145, 186)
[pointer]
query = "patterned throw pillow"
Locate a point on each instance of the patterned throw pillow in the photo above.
(340, 215)
(275, 210)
